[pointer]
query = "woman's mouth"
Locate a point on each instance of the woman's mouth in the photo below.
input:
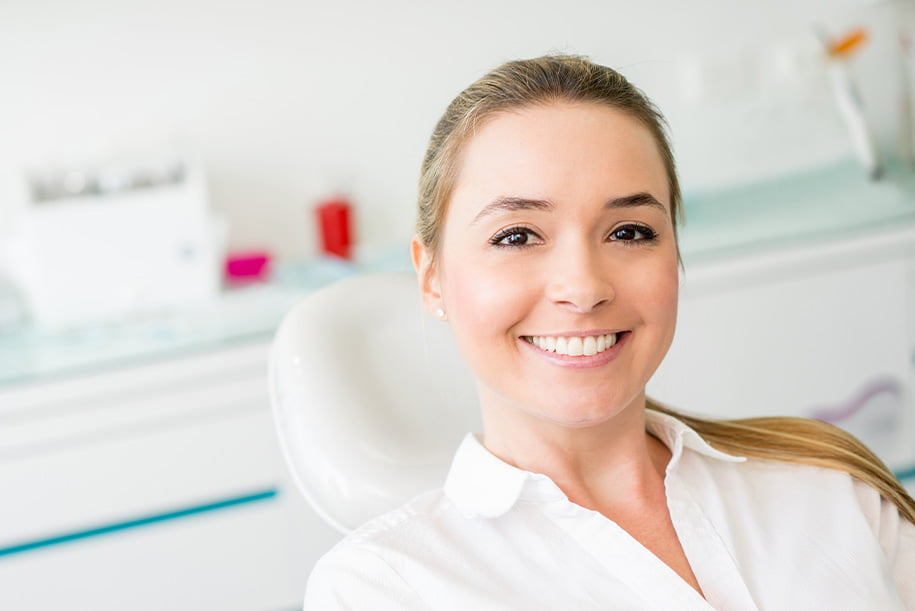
(586, 345)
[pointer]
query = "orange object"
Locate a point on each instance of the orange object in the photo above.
(846, 45)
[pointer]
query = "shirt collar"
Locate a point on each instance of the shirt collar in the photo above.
(482, 485)
(677, 435)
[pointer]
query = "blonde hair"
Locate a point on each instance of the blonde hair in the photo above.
(802, 441)
(566, 78)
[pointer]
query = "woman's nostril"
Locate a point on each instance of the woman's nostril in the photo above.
(581, 296)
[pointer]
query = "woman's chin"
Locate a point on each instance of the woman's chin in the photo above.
(574, 416)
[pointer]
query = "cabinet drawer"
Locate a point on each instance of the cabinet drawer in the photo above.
(254, 557)
(154, 487)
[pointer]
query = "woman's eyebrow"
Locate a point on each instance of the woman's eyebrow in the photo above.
(511, 204)
(636, 199)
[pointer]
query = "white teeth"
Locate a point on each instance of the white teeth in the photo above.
(574, 346)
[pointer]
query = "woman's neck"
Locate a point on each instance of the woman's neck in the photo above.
(614, 468)
(611, 467)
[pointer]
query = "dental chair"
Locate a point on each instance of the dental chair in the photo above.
(370, 397)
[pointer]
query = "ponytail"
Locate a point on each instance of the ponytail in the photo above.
(802, 441)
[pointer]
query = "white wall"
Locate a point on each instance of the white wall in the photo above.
(288, 100)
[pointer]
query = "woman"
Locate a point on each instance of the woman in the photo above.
(547, 239)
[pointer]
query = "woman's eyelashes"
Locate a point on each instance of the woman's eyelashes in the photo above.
(633, 233)
(630, 234)
(516, 237)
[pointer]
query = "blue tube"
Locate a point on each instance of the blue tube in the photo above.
(253, 497)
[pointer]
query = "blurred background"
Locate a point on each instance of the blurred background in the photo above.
(175, 175)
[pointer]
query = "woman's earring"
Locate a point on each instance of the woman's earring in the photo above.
(440, 313)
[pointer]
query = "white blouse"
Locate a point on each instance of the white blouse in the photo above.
(758, 535)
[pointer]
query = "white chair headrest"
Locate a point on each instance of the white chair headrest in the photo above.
(370, 397)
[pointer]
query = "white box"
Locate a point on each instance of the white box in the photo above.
(105, 257)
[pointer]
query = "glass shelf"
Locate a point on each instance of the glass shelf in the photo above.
(239, 315)
(30, 354)
(836, 201)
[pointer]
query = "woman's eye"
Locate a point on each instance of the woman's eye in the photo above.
(632, 233)
(514, 236)
(514, 239)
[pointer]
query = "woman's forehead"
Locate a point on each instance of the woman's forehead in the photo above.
(559, 151)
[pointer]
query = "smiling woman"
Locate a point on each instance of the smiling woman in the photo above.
(537, 243)
(547, 238)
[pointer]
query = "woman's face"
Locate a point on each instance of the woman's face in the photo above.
(557, 266)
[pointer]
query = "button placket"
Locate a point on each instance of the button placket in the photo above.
(710, 558)
(621, 556)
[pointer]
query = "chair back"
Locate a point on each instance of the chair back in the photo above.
(370, 397)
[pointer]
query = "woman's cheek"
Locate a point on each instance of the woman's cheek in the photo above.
(664, 299)
(485, 302)
(658, 283)
(474, 297)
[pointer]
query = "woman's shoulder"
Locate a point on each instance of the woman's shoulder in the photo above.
(397, 525)
(787, 497)
(771, 478)
(364, 569)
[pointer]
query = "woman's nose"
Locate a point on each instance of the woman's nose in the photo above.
(580, 281)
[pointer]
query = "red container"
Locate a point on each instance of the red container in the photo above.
(334, 218)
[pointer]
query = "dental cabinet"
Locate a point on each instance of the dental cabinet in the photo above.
(798, 298)
(139, 467)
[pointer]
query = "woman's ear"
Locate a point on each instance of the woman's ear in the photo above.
(426, 272)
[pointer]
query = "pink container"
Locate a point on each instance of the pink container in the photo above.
(245, 267)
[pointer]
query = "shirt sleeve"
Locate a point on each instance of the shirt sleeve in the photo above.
(355, 579)
(897, 538)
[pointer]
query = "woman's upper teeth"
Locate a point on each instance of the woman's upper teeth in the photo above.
(588, 345)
